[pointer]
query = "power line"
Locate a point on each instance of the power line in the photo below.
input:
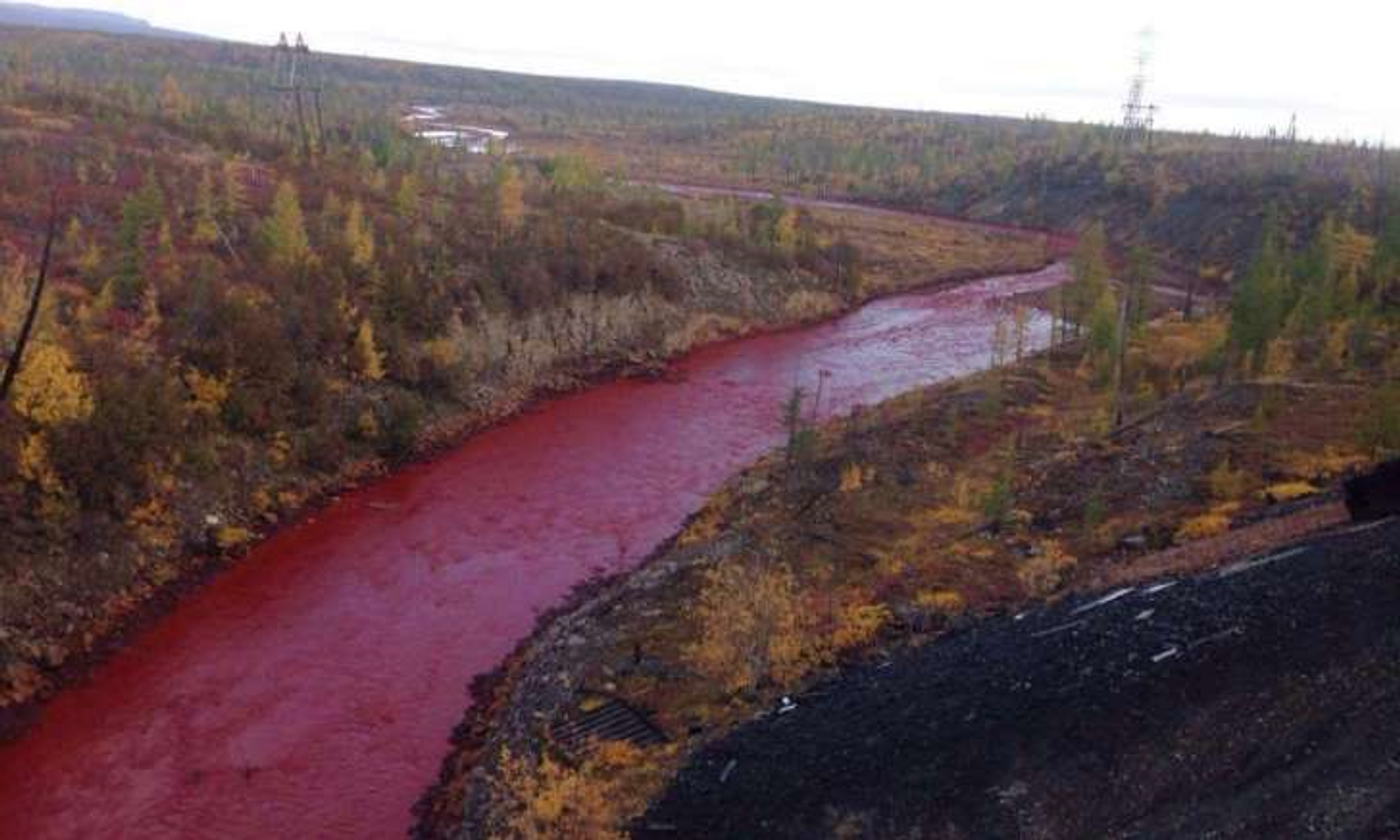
(296, 77)
(1139, 117)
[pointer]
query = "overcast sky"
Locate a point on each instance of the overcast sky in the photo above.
(1219, 65)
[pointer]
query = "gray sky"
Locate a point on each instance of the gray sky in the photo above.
(1219, 65)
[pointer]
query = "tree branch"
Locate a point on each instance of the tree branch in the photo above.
(17, 355)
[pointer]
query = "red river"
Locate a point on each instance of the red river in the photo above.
(310, 690)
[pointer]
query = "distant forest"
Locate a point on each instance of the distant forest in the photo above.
(1199, 199)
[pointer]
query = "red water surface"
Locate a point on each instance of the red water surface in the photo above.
(309, 691)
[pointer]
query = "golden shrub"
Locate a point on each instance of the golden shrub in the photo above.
(367, 426)
(548, 799)
(1288, 491)
(943, 601)
(280, 450)
(857, 625)
(751, 626)
(1226, 483)
(231, 536)
(1202, 527)
(1044, 573)
(207, 393)
(705, 525)
(34, 465)
(853, 477)
(153, 524)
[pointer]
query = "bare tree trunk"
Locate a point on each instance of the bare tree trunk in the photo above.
(17, 355)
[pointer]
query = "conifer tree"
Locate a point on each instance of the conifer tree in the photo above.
(1257, 301)
(508, 200)
(785, 232)
(365, 357)
(284, 231)
(206, 226)
(359, 237)
(409, 197)
(1090, 270)
(142, 214)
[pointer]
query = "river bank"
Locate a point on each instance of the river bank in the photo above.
(886, 538)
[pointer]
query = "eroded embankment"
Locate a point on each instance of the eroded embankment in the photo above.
(306, 691)
(1255, 701)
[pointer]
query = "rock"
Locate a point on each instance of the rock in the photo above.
(754, 486)
(1133, 542)
(575, 640)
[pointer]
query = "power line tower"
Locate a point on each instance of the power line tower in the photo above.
(1139, 117)
(296, 78)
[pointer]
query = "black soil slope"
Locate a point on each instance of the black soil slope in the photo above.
(1262, 700)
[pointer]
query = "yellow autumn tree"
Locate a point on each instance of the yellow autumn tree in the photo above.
(1352, 250)
(35, 468)
(365, 357)
(49, 389)
(173, 102)
(752, 629)
(207, 392)
(508, 195)
(785, 232)
(408, 197)
(284, 230)
(359, 237)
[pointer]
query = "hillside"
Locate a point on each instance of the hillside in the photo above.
(1198, 200)
(83, 20)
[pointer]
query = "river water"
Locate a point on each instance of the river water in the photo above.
(310, 690)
